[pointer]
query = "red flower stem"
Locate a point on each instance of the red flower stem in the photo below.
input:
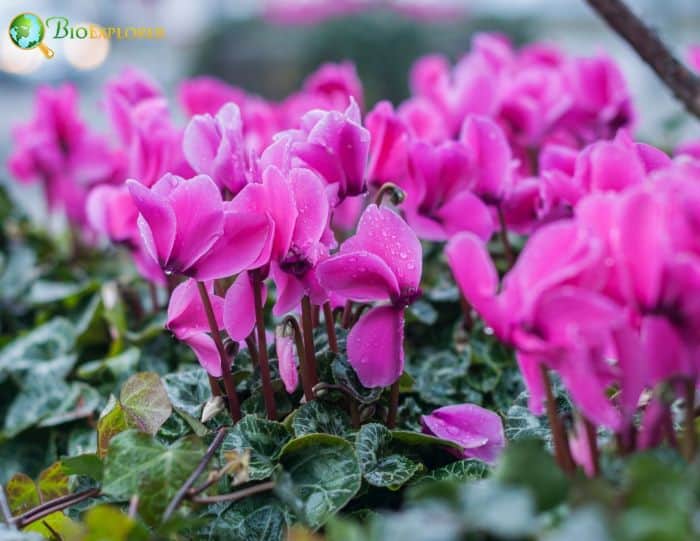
(507, 248)
(263, 362)
(689, 437)
(234, 406)
(468, 322)
(354, 413)
(592, 440)
(393, 405)
(182, 492)
(291, 322)
(316, 315)
(330, 327)
(214, 385)
(561, 443)
(309, 347)
(347, 315)
(154, 297)
(58, 504)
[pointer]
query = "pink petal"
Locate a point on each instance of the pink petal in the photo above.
(312, 205)
(478, 430)
(239, 307)
(282, 209)
(200, 219)
(186, 311)
(207, 354)
(286, 360)
(466, 212)
(375, 346)
(156, 223)
(360, 276)
(385, 234)
(246, 236)
(290, 291)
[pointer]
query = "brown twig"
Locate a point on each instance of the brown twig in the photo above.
(182, 492)
(684, 84)
(59, 504)
(309, 346)
(238, 495)
(231, 395)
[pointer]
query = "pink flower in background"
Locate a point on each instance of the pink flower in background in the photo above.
(694, 56)
(207, 95)
(187, 320)
(214, 146)
(57, 149)
(187, 228)
(335, 145)
(287, 360)
(477, 430)
(123, 93)
(381, 262)
(388, 144)
(438, 202)
(423, 120)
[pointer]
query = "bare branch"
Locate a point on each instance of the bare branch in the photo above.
(684, 84)
(238, 495)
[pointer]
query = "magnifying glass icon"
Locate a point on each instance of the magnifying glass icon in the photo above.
(27, 32)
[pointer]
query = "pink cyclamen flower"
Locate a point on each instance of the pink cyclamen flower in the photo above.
(207, 95)
(187, 320)
(382, 261)
(438, 201)
(335, 145)
(287, 360)
(388, 144)
(57, 149)
(477, 430)
(122, 94)
(214, 146)
(188, 229)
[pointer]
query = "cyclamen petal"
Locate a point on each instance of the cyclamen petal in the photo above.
(287, 360)
(375, 346)
(239, 307)
(360, 276)
(156, 221)
(478, 430)
(207, 354)
(186, 313)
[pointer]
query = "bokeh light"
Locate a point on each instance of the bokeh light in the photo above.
(86, 54)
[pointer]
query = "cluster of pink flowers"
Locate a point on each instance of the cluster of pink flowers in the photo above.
(529, 140)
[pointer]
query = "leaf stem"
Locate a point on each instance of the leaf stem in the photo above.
(234, 406)
(330, 327)
(263, 362)
(309, 347)
(238, 495)
(182, 492)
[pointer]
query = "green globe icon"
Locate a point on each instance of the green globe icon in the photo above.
(27, 32)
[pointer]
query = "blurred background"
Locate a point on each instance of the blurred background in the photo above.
(269, 46)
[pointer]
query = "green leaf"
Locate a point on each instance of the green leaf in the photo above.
(584, 523)
(344, 374)
(52, 483)
(324, 476)
(47, 291)
(44, 343)
(259, 518)
(265, 440)
(106, 523)
(22, 494)
(439, 378)
(320, 417)
(525, 463)
(145, 402)
(423, 311)
(88, 464)
(137, 463)
(81, 401)
(19, 271)
(462, 470)
(381, 464)
(118, 366)
(188, 390)
(112, 421)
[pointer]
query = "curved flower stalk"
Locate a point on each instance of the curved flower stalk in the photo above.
(477, 430)
(57, 149)
(381, 262)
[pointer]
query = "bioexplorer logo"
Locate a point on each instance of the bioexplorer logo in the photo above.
(27, 31)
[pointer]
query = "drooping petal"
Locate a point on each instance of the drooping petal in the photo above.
(478, 430)
(287, 360)
(239, 307)
(375, 346)
(246, 236)
(312, 206)
(360, 276)
(156, 223)
(205, 349)
(290, 291)
(384, 233)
